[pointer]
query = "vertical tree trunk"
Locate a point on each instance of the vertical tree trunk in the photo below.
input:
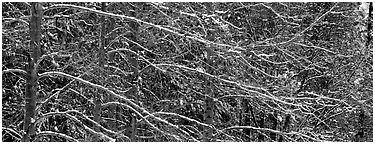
(133, 60)
(110, 25)
(246, 122)
(273, 118)
(98, 97)
(210, 89)
(361, 128)
(209, 114)
(261, 125)
(285, 126)
(369, 26)
(249, 117)
(209, 102)
(32, 73)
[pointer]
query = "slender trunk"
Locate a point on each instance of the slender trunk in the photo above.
(32, 73)
(359, 137)
(261, 125)
(369, 26)
(133, 60)
(98, 97)
(209, 104)
(133, 126)
(273, 118)
(110, 25)
(249, 117)
(210, 89)
(286, 126)
(245, 117)
(253, 115)
(209, 117)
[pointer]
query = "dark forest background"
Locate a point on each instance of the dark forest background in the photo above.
(183, 71)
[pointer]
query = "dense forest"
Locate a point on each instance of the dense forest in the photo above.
(187, 71)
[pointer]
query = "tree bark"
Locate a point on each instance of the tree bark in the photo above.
(98, 97)
(133, 60)
(273, 118)
(369, 26)
(209, 114)
(261, 125)
(249, 117)
(359, 137)
(209, 102)
(285, 126)
(110, 25)
(210, 89)
(32, 73)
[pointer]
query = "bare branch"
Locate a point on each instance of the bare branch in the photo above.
(108, 91)
(43, 118)
(51, 133)
(15, 71)
(271, 130)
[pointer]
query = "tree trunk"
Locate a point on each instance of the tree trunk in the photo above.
(273, 118)
(110, 25)
(133, 60)
(285, 126)
(209, 118)
(261, 125)
(32, 73)
(249, 117)
(98, 97)
(359, 137)
(209, 104)
(369, 26)
(210, 89)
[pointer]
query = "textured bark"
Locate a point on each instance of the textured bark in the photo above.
(98, 97)
(361, 128)
(261, 125)
(208, 118)
(133, 127)
(133, 60)
(110, 25)
(32, 77)
(210, 89)
(209, 104)
(273, 119)
(369, 26)
(102, 39)
(249, 117)
(285, 126)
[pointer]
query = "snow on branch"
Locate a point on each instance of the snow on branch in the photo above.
(140, 115)
(15, 71)
(51, 133)
(299, 34)
(264, 93)
(128, 101)
(143, 22)
(66, 114)
(273, 131)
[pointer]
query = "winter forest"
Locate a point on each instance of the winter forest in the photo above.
(187, 72)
